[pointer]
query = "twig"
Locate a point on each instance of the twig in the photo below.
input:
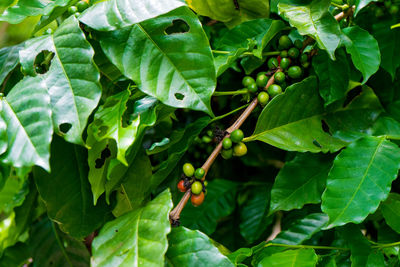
(212, 22)
(277, 227)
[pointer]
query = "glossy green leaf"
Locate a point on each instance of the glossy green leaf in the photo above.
(185, 138)
(138, 238)
(17, 255)
(72, 80)
(333, 76)
(292, 121)
(360, 179)
(29, 8)
(108, 124)
(298, 258)
(66, 191)
(391, 211)
(219, 202)
(177, 69)
(300, 181)
(230, 13)
(314, 20)
(243, 37)
(193, 248)
(254, 213)
(9, 58)
(51, 247)
(364, 50)
(115, 14)
(389, 43)
(360, 4)
(387, 126)
(12, 194)
(358, 244)
(26, 111)
(376, 258)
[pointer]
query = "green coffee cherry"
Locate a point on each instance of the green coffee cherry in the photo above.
(226, 153)
(237, 136)
(280, 77)
(284, 54)
(247, 80)
(199, 173)
(298, 44)
(262, 80)
(285, 42)
(293, 52)
(263, 98)
(303, 58)
(272, 63)
(285, 62)
(253, 88)
(206, 139)
(227, 143)
(305, 64)
(188, 169)
(82, 5)
(239, 150)
(197, 188)
(295, 72)
(274, 90)
(72, 10)
(393, 10)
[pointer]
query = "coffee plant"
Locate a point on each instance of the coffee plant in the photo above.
(199, 133)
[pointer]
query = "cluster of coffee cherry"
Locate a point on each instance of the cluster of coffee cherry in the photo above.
(193, 179)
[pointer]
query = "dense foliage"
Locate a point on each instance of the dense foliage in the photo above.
(199, 133)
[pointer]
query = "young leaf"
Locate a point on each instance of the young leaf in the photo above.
(219, 202)
(333, 76)
(66, 191)
(364, 50)
(12, 194)
(176, 68)
(314, 20)
(116, 14)
(391, 211)
(292, 121)
(298, 257)
(51, 247)
(72, 80)
(193, 248)
(27, 113)
(300, 181)
(137, 238)
(359, 180)
(9, 58)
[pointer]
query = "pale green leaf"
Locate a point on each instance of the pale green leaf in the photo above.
(364, 50)
(138, 238)
(26, 111)
(72, 80)
(391, 211)
(177, 69)
(115, 14)
(193, 248)
(298, 258)
(359, 180)
(314, 20)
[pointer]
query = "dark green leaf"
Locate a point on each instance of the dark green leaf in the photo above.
(359, 245)
(360, 179)
(360, 4)
(391, 211)
(16, 256)
(193, 248)
(137, 238)
(9, 58)
(178, 68)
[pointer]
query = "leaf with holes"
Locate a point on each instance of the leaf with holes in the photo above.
(364, 50)
(300, 181)
(177, 68)
(137, 238)
(360, 179)
(293, 121)
(313, 20)
(115, 14)
(72, 80)
(27, 114)
(193, 248)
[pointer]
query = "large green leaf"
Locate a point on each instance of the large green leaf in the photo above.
(243, 37)
(364, 50)
(391, 211)
(138, 238)
(26, 111)
(72, 80)
(254, 218)
(389, 43)
(27, 8)
(193, 248)
(314, 20)
(230, 13)
(51, 247)
(333, 76)
(115, 14)
(184, 139)
(178, 68)
(108, 124)
(9, 58)
(360, 179)
(298, 258)
(66, 191)
(219, 202)
(292, 121)
(300, 181)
